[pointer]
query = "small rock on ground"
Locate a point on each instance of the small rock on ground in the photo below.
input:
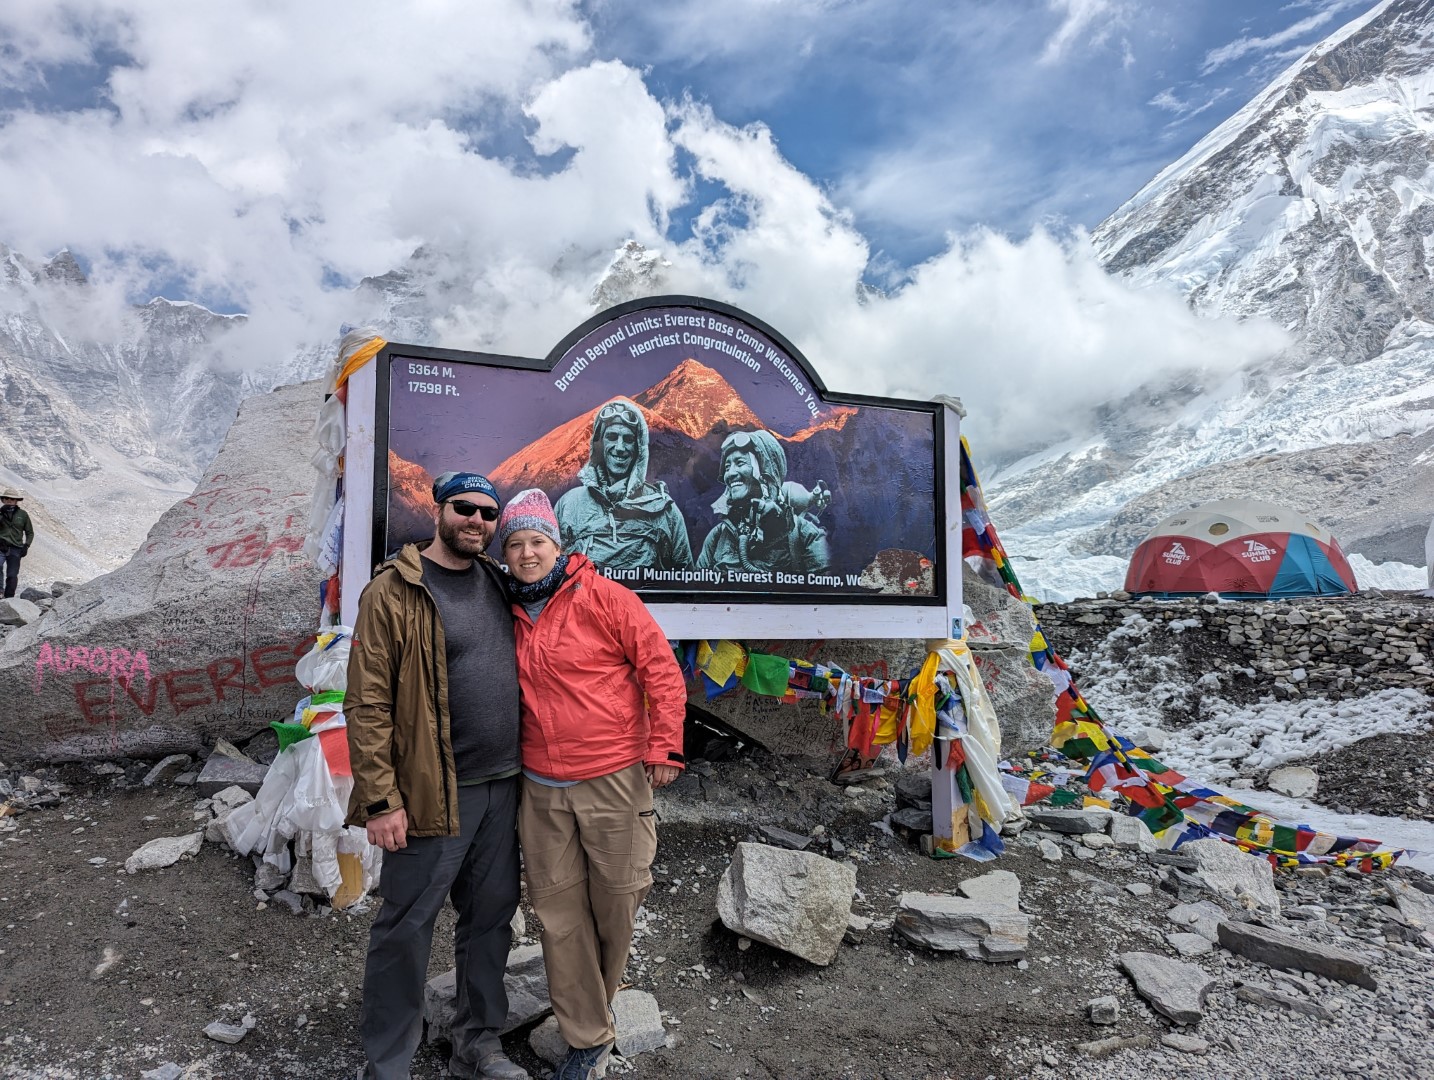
(1103, 1010)
(164, 851)
(230, 1033)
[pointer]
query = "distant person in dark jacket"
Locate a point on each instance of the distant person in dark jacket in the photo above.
(16, 536)
(616, 516)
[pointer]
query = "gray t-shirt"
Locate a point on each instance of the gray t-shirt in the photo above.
(482, 671)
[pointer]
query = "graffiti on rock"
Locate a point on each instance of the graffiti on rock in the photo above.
(248, 550)
(237, 525)
(118, 664)
(127, 689)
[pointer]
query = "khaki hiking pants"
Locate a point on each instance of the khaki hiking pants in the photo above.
(587, 855)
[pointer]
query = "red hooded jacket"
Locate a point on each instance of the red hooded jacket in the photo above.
(601, 688)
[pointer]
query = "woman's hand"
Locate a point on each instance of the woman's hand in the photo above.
(661, 775)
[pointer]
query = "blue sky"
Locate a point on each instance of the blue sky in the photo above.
(782, 155)
(926, 118)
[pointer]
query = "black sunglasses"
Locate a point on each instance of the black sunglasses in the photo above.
(464, 508)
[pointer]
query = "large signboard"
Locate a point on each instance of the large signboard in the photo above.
(691, 453)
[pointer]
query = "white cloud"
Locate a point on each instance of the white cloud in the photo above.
(1093, 19)
(1184, 110)
(1241, 47)
(1032, 334)
(262, 157)
(1167, 100)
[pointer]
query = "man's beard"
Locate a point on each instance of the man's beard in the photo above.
(460, 542)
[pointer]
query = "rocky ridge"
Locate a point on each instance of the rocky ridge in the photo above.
(1340, 648)
(110, 411)
(1342, 688)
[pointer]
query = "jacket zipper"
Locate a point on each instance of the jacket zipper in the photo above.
(437, 712)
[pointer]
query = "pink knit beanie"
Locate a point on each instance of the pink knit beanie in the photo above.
(529, 510)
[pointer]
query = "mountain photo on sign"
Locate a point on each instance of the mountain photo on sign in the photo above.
(672, 481)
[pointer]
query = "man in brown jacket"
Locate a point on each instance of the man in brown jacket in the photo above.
(432, 708)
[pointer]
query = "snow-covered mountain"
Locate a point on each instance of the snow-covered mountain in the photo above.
(1313, 206)
(110, 411)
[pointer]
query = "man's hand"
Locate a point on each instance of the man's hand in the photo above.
(389, 831)
(661, 775)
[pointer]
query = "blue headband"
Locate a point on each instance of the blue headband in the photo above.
(462, 483)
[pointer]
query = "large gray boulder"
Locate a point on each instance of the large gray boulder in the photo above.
(1296, 781)
(1416, 908)
(524, 978)
(636, 1018)
(791, 900)
(196, 636)
(1000, 887)
(1287, 952)
(638, 1021)
(164, 851)
(18, 611)
(1071, 822)
(1201, 917)
(998, 632)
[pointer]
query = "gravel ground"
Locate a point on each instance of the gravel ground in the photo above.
(106, 974)
(1389, 775)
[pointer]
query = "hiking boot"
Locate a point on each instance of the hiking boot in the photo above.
(496, 1065)
(492, 1064)
(589, 1064)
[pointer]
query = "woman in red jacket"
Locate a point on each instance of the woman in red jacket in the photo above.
(603, 704)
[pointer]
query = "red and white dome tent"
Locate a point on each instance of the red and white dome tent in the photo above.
(1240, 548)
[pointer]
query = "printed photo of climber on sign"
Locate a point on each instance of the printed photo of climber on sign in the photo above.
(615, 516)
(768, 523)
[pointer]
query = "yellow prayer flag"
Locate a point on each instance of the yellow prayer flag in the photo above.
(727, 659)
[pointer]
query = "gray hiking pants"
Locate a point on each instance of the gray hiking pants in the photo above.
(479, 869)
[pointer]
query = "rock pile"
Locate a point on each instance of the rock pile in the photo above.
(26, 791)
(984, 923)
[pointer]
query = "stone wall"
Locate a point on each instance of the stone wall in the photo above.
(1335, 648)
